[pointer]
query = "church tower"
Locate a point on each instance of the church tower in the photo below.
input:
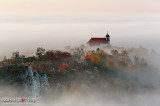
(108, 38)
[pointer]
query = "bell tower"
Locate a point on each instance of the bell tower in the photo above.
(108, 38)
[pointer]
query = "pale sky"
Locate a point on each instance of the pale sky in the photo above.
(52, 24)
(78, 6)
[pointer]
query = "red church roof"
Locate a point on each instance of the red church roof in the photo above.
(107, 35)
(97, 41)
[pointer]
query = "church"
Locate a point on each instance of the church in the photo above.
(99, 41)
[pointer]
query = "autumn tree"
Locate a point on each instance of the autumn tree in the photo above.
(124, 52)
(63, 66)
(60, 54)
(102, 54)
(49, 55)
(95, 59)
(43, 67)
(92, 57)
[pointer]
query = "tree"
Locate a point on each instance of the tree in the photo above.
(101, 52)
(114, 52)
(92, 57)
(63, 66)
(122, 64)
(40, 51)
(83, 47)
(43, 66)
(97, 49)
(111, 63)
(15, 55)
(79, 54)
(95, 59)
(60, 54)
(124, 52)
(49, 55)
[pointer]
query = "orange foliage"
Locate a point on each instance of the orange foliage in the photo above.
(91, 56)
(63, 66)
(87, 56)
(29, 63)
(95, 59)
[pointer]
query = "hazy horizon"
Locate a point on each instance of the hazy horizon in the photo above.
(26, 25)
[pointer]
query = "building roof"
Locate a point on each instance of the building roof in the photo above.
(97, 41)
(107, 35)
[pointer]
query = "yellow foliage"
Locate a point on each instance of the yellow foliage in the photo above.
(111, 63)
(124, 52)
(122, 64)
(102, 52)
(29, 63)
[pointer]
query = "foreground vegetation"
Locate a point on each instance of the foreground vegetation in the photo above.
(79, 71)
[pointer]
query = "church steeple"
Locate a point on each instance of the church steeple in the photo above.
(107, 35)
(108, 38)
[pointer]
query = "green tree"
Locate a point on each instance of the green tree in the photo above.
(15, 55)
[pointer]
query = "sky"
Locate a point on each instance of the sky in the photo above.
(53, 24)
